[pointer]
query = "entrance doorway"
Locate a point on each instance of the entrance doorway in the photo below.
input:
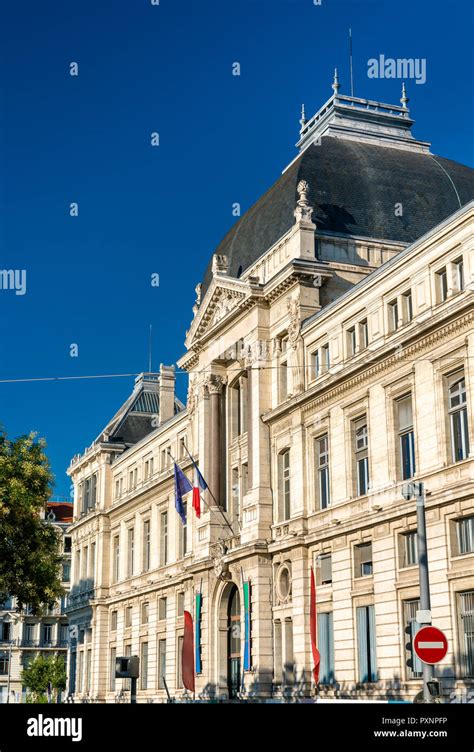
(233, 643)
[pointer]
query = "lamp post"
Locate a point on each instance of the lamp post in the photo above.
(417, 490)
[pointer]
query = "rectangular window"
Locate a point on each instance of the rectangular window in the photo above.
(361, 455)
(465, 535)
(183, 533)
(113, 656)
(351, 341)
(459, 274)
(88, 669)
(144, 665)
(284, 485)
(326, 648)
(93, 493)
(283, 381)
(80, 677)
(288, 654)
(324, 569)
(180, 604)
(29, 634)
(113, 621)
(408, 307)
(406, 437)
(414, 665)
(316, 364)
(116, 558)
(87, 494)
(179, 672)
(363, 334)
(144, 612)
(128, 616)
(322, 462)
(393, 315)
(47, 634)
(466, 632)
(278, 655)
(92, 562)
(162, 609)
(325, 358)
(366, 644)
(163, 538)
(85, 562)
(130, 551)
(146, 545)
(66, 572)
(4, 662)
(363, 560)
(442, 285)
(161, 663)
(409, 550)
(457, 410)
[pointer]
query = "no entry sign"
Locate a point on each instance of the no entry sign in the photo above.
(430, 645)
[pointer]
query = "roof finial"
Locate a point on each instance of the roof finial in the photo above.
(303, 119)
(335, 84)
(303, 210)
(404, 100)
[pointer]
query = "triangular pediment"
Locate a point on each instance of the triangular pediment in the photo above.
(222, 299)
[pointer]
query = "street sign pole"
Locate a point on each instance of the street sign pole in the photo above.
(425, 600)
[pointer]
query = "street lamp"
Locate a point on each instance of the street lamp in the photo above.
(417, 491)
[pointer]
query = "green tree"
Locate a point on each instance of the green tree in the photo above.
(41, 672)
(30, 548)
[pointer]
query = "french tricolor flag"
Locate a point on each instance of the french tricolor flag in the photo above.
(199, 485)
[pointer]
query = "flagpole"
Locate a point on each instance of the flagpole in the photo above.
(213, 497)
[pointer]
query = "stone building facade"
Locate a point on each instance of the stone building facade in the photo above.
(330, 360)
(24, 635)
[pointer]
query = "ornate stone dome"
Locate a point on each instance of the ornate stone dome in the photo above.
(359, 160)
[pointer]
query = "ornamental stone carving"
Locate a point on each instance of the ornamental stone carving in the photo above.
(221, 567)
(214, 383)
(223, 307)
(303, 211)
(294, 326)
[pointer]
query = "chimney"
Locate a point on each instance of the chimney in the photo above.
(166, 392)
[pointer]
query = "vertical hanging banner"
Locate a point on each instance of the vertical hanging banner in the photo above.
(187, 656)
(198, 633)
(247, 636)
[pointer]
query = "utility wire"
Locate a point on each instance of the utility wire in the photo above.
(180, 372)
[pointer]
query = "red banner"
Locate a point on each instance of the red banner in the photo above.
(187, 658)
(313, 630)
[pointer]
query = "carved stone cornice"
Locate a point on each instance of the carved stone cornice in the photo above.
(391, 361)
(310, 404)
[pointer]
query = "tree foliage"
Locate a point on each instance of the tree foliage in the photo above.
(43, 671)
(30, 548)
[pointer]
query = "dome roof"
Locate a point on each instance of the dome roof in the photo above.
(353, 187)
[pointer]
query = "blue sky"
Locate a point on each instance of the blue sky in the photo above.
(145, 210)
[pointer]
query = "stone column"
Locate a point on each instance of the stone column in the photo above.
(215, 388)
(249, 429)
